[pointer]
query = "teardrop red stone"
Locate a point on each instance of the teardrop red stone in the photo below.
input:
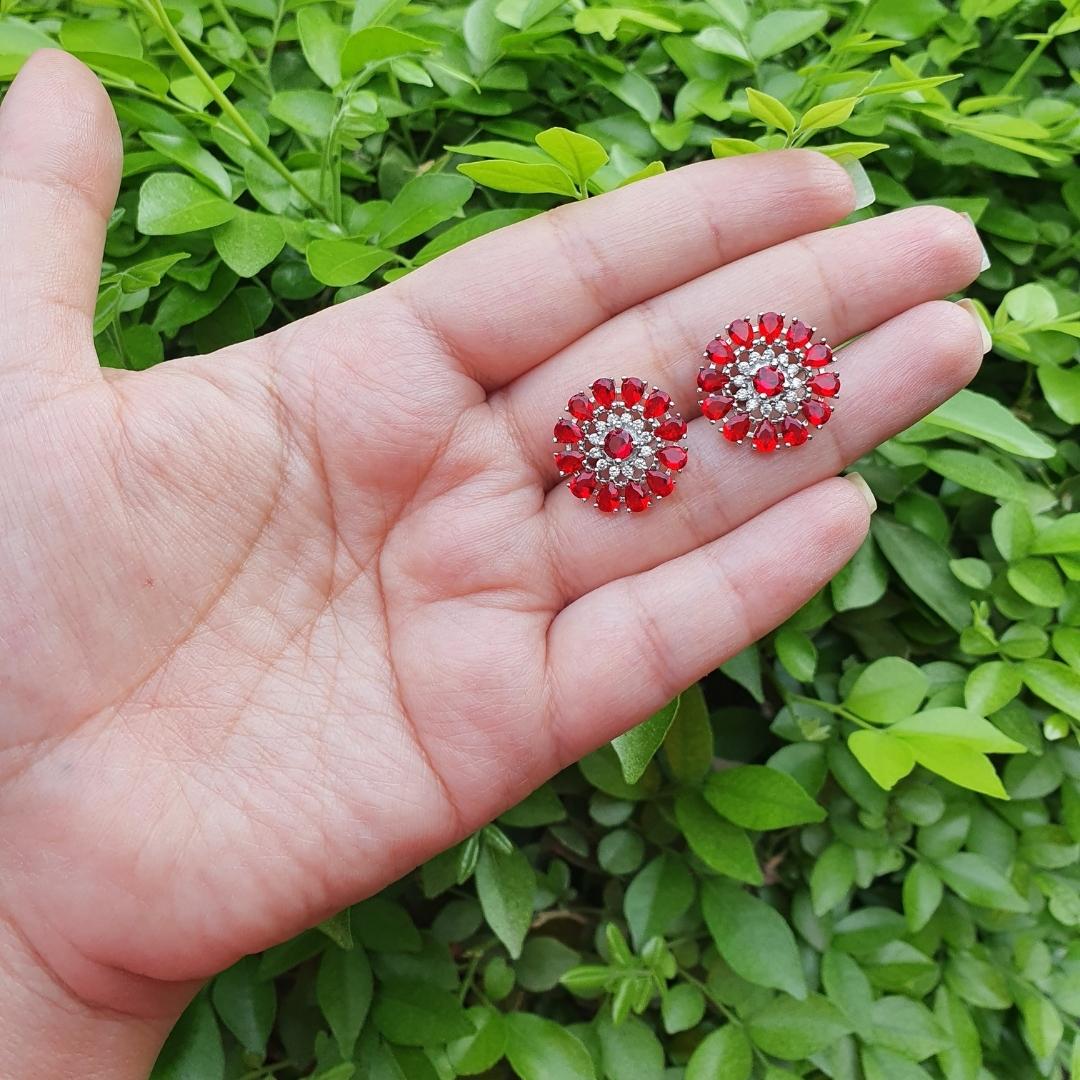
(637, 497)
(799, 334)
(568, 432)
(717, 406)
(765, 438)
(660, 483)
(825, 383)
(672, 457)
(741, 332)
(792, 432)
(656, 404)
(672, 430)
(817, 412)
(632, 390)
(769, 326)
(607, 498)
(583, 485)
(569, 461)
(736, 426)
(818, 355)
(720, 351)
(580, 407)
(603, 391)
(711, 381)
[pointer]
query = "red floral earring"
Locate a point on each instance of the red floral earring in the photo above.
(765, 381)
(621, 444)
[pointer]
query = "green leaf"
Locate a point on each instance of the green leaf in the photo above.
(637, 747)
(422, 203)
(1061, 388)
(1038, 582)
(983, 417)
(907, 1027)
(344, 989)
(473, 226)
(974, 472)
(187, 153)
(246, 1004)
(887, 690)
(660, 893)
(862, 581)
(978, 881)
(1061, 536)
(769, 110)
(477, 1053)
(193, 1050)
(753, 938)
(172, 203)
(1055, 683)
(904, 19)
(688, 745)
(383, 925)
(506, 885)
(417, 1013)
(795, 650)
(832, 878)
(991, 686)
(828, 114)
(322, 40)
(791, 1030)
(344, 262)
(724, 1054)
(887, 759)
(540, 1049)
(779, 31)
(682, 1007)
(720, 845)
(922, 893)
(956, 725)
(923, 566)
(310, 112)
(1013, 530)
(373, 44)
(578, 154)
(758, 797)
(544, 961)
(516, 176)
(249, 242)
(629, 1050)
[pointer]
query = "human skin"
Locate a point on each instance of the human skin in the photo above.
(279, 623)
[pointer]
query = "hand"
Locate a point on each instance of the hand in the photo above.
(281, 622)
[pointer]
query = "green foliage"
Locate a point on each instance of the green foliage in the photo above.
(862, 860)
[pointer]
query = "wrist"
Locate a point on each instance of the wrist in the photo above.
(47, 1030)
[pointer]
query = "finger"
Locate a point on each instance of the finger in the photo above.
(512, 298)
(59, 173)
(618, 654)
(892, 377)
(844, 280)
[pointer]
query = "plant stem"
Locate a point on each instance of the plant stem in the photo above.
(1032, 58)
(157, 11)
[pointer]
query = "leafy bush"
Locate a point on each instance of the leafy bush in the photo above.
(853, 852)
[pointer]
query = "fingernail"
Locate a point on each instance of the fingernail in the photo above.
(985, 264)
(863, 488)
(973, 311)
(864, 190)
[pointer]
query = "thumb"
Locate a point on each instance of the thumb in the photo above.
(60, 159)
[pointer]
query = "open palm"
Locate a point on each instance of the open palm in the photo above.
(281, 622)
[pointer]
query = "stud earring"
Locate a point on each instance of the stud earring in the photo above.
(765, 381)
(621, 444)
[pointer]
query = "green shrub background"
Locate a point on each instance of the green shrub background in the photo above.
(852, 852)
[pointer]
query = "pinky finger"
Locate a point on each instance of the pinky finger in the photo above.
(620, 652)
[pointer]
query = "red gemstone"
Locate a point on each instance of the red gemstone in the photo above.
(765, 438)
(792, 432)
(607, 498)
(817, 412)
(618, 444)
(716, 407)
(672, 457)
(656, 404)
(736, 426)
(769, 326)
(672, 430)
(569, 461)
(799, 334)
(768, 381)
(583, 485)
(580, 407)
(637, 497)
(741, 332)
(825, 383)
(567, 431)
(720, 351)
(632, 390)
(711, 381)
(604, 392)
(660, 483)
(818, 355)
